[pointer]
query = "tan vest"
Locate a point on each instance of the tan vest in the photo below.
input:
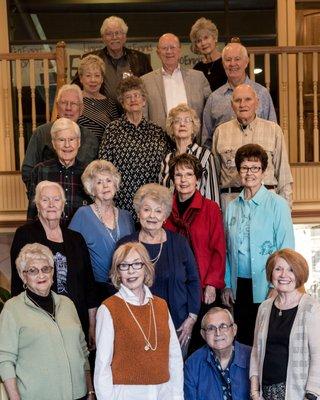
(131, 364)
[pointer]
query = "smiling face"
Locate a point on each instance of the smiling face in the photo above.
(133, 279)
(169, 51)
(41, 282)
(183, 126)
(244, 103)
(249, 179)
(133, 101)
(91, 80)
(69, 105)
(219, 340)
(104, 188)
(283, 277)
(205, 42)
(50, 205)
(151, 215)
(235, 63)
(185, 182)
(114, 38)
(66, 144)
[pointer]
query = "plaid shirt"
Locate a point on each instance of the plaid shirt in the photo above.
(69, 178)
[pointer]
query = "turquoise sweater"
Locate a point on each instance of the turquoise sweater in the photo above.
(47, 358)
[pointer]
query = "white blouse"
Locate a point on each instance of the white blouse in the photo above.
(104, 387)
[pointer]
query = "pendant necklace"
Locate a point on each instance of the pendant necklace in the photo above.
(117, 236)
(148, 346)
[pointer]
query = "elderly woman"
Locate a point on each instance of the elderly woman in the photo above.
(285, 359)
(98, 109)
(204, 37)
(43, 352)
(135, 146)
(65, 169)
(176, 275)
(183, 126)
(200, 221)
(135, 333)
(257, 223)
(102, 224)
(73, 275)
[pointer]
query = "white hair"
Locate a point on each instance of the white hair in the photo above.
(116, 20)
(243, 50)
(68, 87)
(64, 123)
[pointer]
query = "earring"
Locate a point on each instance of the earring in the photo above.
(25, 286)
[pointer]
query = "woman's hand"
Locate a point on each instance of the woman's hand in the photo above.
(227, 297)
(209, 294)
(185, 331)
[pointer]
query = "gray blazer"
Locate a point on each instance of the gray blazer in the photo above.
(197, 90)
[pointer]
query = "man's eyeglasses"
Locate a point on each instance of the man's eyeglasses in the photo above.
(245, 170)
(212, 329)
(71, 104)
(33, 271)
(135, 265)
(66, 140)
(113, 34)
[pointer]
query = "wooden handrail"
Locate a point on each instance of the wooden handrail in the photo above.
(283, 49)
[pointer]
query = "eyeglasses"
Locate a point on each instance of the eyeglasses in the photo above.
(71, 104)
(133, 96)
(66, 140)
(113, 34)
(135, 265)
(212, 329)
(245, 170)
(169, 47)
(33, 271)
(187, 175)
(179, 121)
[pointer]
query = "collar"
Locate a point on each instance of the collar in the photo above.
(227, 88)
(191, 148)
(196, 203)
(142, 123)
(258, 197)
(55, 296)
(131, 298)
(163, 71)
(250, 126)
(124, 53)
(240, 359)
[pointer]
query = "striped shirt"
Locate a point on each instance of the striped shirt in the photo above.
(97, 113)
(208, 185)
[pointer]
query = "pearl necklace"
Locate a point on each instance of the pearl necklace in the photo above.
(117, 237)
(148, 346)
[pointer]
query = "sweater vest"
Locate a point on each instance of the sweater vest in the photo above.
(131, 363)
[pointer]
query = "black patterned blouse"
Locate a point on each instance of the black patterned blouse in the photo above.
(137, 152)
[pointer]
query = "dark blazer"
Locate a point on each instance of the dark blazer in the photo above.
(80, 281)
(184, 293)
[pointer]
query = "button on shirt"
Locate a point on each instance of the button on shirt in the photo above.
(218, 108)
(230, 136)
(174, 88)
(69, 178)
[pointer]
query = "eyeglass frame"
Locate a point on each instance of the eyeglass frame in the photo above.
(47, 269)
(128, 265)
(245, 169)
(214, 329)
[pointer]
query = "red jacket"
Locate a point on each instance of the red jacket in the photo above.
(202, 225)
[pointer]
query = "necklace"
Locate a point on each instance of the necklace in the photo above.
(290, 303)
(154, 260)
(117, 236)
(52, 315)
(148, 345)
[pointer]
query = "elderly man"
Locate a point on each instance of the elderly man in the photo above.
(220, 369)
(248, 128)
(64, 169)
(120, 61)
(218, 108)
(69, 105)
(171, 85)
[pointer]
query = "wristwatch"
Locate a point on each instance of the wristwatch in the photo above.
(310, 396)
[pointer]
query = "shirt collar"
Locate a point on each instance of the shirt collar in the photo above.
(228, 88)
(163, 71)
(131, 298)
(258, 197)
(250, 126)
(239, 357)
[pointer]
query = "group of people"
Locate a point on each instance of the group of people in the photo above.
(127, 263)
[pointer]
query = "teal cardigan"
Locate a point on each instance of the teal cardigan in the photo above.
(47, 358)
(271, 229)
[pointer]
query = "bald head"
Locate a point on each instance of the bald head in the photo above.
(169, 51)
(245, 103)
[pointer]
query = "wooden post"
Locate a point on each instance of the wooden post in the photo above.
(61, 73)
